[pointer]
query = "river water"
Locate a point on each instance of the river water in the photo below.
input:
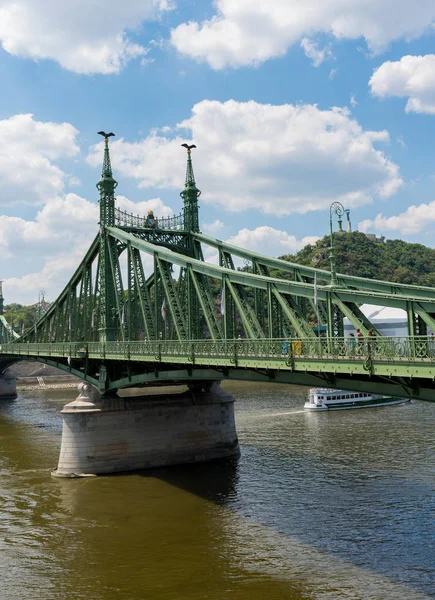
(324, 506)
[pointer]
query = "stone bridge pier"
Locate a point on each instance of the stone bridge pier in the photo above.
(8, 385)
(112, 435)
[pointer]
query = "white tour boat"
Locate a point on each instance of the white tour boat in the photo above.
(327, 399)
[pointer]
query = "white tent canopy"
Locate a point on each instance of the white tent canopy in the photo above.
(388, 321)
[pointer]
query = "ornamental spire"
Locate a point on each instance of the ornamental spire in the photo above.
(106, 186)
(190, 195)
(1, 297)
(190, 177)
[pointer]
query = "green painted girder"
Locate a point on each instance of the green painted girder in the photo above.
(6, 331)
(249, 319)
(115, 284)
(8, 360)
(260, 296)
(161, 237)
(82, 312)
(75, 280)
(319, 309)
(207, 304)
(343, 280)
(291, 310)
(226, 260)
(142, 289)
(294, 288)
(405, 388)
(427, 318)
(229, 315)
(392, 387)
(355, 316)
(172, 299)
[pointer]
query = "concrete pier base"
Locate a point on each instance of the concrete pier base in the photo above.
(113, 435)
(8, 385)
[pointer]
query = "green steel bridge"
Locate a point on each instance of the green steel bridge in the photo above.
(144, 308)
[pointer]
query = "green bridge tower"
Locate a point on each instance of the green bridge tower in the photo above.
(110, 297)
(190, 196)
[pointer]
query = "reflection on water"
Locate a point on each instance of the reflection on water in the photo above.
(327, 506)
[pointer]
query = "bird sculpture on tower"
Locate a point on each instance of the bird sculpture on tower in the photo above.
(189, 148)
(106, 135)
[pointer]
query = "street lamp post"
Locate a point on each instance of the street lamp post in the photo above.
(38, 311)
(338, 209)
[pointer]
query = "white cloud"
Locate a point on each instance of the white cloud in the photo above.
(82, 36)
(401, 141)
(269, 241)
(411, 77)
(142, 208)
(248, 32)
(264, 240)
(43, 253)
(213, 228)
(316, 54)
(74, 181)
(28, 149)
(353, 101)
(56, 269)
(414, 220)
(275, 159)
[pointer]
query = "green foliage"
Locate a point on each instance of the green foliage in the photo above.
(21, 317)
(356, 254)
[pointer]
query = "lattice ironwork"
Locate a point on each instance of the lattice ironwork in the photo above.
(125, 219)
(398, 349)
(247, 315)
(207, 303)
(141, 291)
(172, 300)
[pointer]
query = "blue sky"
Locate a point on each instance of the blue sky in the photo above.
(292, 106)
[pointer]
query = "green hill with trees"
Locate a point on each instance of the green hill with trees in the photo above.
(356, 254)
(21, 317)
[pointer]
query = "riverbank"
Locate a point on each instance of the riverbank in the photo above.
(51, 382)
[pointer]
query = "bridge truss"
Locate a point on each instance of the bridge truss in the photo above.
(145, 307)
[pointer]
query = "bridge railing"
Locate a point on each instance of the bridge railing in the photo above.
(125, 219)
(418, 348)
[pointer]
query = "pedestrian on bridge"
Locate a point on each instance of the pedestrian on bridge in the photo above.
(297, 347)
(352, 343)
(360, 340)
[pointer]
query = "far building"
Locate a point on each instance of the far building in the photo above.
(374, 238)
(387, 320)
